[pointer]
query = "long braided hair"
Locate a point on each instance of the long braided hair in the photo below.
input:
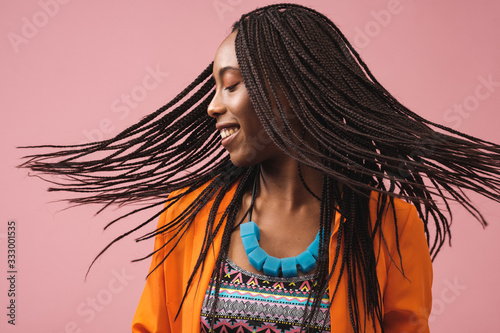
(365, 138)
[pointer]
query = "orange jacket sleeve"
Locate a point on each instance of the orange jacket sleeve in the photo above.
(166, 286)
(151, 315)
(408, 301)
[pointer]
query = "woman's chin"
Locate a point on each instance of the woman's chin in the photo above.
(242, 161)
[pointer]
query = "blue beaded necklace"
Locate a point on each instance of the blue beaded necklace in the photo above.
(250, 236)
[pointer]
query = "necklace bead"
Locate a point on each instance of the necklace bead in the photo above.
(258, 258)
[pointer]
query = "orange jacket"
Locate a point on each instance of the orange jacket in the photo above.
(406, 301)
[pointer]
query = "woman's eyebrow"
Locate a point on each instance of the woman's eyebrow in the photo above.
(224, 69)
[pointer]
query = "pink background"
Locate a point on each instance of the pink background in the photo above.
(64, 84)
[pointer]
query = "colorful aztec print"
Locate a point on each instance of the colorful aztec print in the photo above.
(257, 303)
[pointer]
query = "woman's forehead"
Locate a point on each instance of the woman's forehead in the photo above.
(226, 54)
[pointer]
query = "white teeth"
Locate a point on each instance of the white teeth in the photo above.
(225, 132)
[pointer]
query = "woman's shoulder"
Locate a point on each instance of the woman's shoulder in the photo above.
(391, 202)
(187, 194)
(400, 226)
(404, 212)
(179, 200)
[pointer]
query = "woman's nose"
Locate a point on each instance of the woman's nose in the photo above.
(216, 107)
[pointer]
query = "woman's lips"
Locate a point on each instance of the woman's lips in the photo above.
(227, 134)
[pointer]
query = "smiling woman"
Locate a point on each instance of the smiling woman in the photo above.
(298, 194)
(242, 133)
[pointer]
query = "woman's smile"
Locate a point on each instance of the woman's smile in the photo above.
(240, 129)
(228, 134)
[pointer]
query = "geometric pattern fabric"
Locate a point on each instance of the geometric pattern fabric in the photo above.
(250, 302)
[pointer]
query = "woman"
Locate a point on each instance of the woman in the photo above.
(281, 162)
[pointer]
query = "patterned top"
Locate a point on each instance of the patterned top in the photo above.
(250, 302)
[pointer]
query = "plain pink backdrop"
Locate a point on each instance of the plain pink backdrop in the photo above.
(67, 68)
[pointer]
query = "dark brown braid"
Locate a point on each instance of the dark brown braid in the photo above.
(365, 138)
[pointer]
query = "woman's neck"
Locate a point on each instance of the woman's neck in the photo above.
(280, 184)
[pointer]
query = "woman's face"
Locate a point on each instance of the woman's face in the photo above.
(242, 133)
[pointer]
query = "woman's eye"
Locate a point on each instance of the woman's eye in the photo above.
(231, 88)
